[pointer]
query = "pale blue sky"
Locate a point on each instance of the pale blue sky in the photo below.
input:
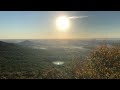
(41, 24)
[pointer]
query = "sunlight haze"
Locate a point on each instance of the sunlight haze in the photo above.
(59, 24)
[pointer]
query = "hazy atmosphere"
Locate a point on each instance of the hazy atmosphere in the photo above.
(59, 44)
(42, 24)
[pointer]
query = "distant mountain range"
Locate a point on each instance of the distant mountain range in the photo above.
(27, 42)
(51, 42)
(6, 44)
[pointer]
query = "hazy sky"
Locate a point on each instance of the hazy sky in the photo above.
(42, 24)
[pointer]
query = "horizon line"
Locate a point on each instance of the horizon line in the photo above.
(60, 38)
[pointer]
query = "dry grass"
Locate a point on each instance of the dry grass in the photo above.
(103, 63)
(106, 61)
(53, 73)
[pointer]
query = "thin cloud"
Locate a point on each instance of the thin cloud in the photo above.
(76, 17)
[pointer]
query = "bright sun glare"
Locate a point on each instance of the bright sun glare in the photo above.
(62, 23)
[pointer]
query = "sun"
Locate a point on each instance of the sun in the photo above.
(62, 23)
